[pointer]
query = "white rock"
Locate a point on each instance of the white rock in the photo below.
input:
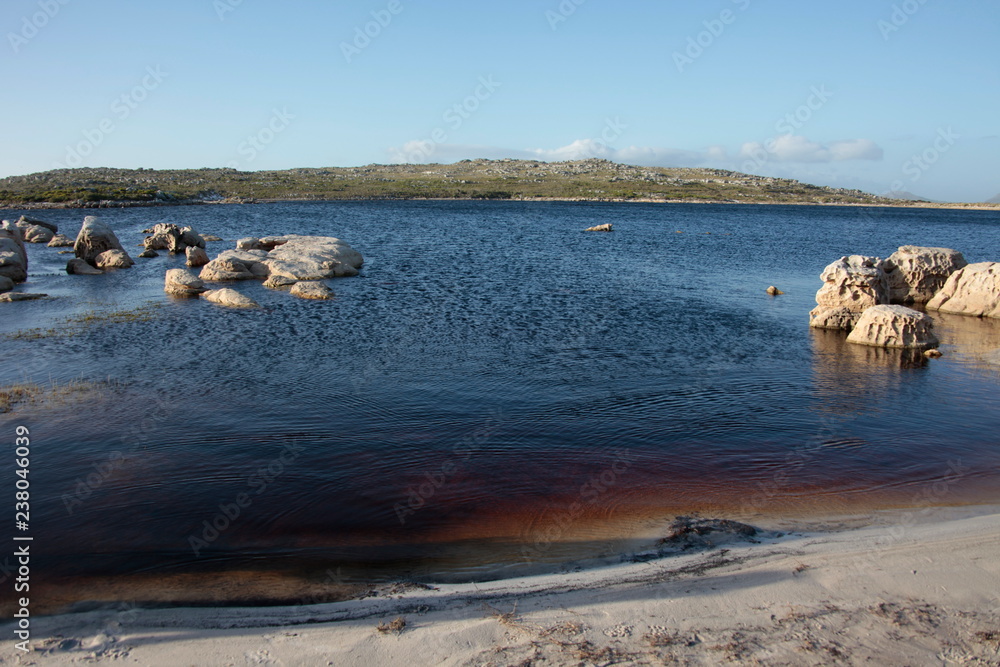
(606, 227)
(196, 257)
(94, 238)
(13, 256)
(230, 298)
(181, 282)
(37, 234)
(894, 326)
(972, 290)
(278, 282)
(916, 273)
(248, 243)
(61, 241)
(850, 285)
(311, 290)
(26, 220)
(254, 260)
(113, 259)
(222, 270)
(191, 238)
(78, 267)
(313, 258)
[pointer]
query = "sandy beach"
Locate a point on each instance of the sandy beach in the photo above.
(909, 588)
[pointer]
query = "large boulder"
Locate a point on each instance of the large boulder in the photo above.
(894, 326)
(78, 267)
(181, 282)
(37, 234)
(313, 257)
(113, 259)
(972, 290)
(94, 238)
(13, 256)
(61, 241)
(230, 298)
(196, 257)
(851, 285)
(191, 239)
(916, 274)
(311, 290)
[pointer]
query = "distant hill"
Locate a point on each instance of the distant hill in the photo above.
(593, 179)
(906, 196)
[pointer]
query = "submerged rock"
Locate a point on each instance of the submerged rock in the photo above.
(9, 297)
(113, 259)
(94, 238)
(6, 284)
(607, 227)
(894, 326)
(972, 290)
(916, 273)
(78, 267)
(774, 291)
(311, 290)
(230, 298)
(149, 254)
(181, 282)
(851, 285)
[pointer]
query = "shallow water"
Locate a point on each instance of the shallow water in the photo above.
(497, 390)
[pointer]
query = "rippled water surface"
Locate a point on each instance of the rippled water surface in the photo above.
(497, 388)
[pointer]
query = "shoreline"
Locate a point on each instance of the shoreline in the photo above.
(55, 206)
(900, 591)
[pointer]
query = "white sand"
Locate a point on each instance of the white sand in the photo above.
(895, 594)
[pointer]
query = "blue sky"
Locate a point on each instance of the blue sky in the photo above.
(872, 94)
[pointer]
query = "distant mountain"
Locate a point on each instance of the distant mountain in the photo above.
(906, 196)
(995, 200)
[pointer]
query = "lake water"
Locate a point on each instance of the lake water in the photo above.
(496, 391)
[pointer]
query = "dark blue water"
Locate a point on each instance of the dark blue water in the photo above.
(496, 387)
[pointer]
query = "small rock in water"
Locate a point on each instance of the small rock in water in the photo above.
(6, 284)
(148, 254)
(933, 354)
(61, 241)
(181, 282)
(113, 259)
(230, 298)
(774, 291)
(600, 228)
(311, 290)
(78, 267)
(196, 257)
(895, 327)
(279, 282)
(8, 297)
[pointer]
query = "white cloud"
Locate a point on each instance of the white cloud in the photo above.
(795, 148)
(787, 148)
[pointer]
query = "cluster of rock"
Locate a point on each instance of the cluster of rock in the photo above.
(868, 296)
(292, 262)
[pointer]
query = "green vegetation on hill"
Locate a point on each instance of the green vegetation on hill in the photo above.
(469, 179)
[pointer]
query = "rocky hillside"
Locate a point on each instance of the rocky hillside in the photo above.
(469, 179)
